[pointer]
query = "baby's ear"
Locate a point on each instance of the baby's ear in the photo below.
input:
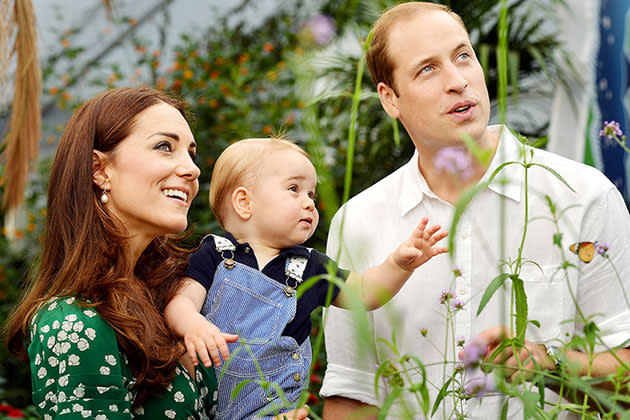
(241, 203)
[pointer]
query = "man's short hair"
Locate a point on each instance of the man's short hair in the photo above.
(378, 59)
(240, 165)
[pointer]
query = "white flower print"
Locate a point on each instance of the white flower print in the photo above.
(192, 387)
(42, 404)
(113, 407)
(52, 306)
(42, 372)
(51, 397)
(62, 335)
(83, 344)
(73, 360)
(109, 358)
(90, 333)
(100, 417)
(199, 377)
(169, 388)
(71, 317)
(66, 325)
(139, 410)
(49, 382)
(170, 414)
(89, 312)
(64, 411)
(55, 325)
(102, 389)
(79, 392)
(62, 366)
(78, 326)
(62, 397)
(179, 397)
(215, 395)
(52, 361)
(51, 342)
(204, 391)
(104, 370)
(70, 300)
(62, 347)
(44, 329)
(47, 417)
(86, 413)
(73, 338)
(38, 359)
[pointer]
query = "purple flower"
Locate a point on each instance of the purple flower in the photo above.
(457, 272)
(473, 352)
(457, 304)
(321, 28)
(601, 248)
(454, 161)
(611, 129)
(460, 341)
(480, 386)
(446, 296)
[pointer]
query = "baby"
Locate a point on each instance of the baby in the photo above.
(239, 298)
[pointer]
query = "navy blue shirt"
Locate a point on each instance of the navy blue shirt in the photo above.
(204, 262)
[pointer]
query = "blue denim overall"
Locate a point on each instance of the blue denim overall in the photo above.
(244, 301)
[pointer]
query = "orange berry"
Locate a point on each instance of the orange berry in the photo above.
(268, 47)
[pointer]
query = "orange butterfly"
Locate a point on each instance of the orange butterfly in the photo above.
(584, 250)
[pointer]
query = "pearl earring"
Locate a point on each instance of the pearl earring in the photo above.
(104, 197)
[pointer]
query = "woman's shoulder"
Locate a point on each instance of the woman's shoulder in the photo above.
(69, 314)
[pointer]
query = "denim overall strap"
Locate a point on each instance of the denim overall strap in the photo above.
(244, 301)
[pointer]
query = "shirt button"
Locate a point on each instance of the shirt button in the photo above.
(297, 377)
(295, 356)
(247, 250)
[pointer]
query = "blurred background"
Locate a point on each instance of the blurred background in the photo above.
(280, 67)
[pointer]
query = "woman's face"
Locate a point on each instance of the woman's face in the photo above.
(152, 176)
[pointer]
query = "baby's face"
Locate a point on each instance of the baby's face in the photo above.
(283, 200)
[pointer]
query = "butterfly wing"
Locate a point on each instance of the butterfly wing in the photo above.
(586, 251)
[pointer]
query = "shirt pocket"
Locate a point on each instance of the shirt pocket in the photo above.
(236, 309)
(545, 289)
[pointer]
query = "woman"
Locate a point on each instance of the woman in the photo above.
(91, 323)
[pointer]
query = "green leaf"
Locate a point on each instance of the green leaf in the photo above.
(441, 395)
(521, 306)
(504, 409)
(494, 285)
(530, 402)
(387, 404)
(557, 239)
(554, 173)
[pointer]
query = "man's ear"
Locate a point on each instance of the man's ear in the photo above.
(241, 203)
(99, 160)
(389, 100)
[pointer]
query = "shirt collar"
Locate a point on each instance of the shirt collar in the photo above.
(294, 250)
(509, 149)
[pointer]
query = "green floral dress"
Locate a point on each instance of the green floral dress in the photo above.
(79, 372)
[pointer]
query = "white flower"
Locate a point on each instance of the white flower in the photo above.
(51, 342)
(104, 370)
(100, 417)
(79, 393)
(139, 410)
(55, 325)
(83, 344)
(42, 404)
(90, 333)
(42, 372)
(62, 335)
(64, 411)
(109, 358)
(78, 326)
(66, 325)
(62, 366)
(52, 361)
(86, 413)
(38, 359)
(45, 328)
(51, 397)
(102, 389)
(113, 407)
(179, 397)
(64, 347)
(71, 317)
(73, 360)
(74, 338)
(50, 381)
(170, 414)
(47, 417)
(169, 388)
(89, 312)
(52, 306)
(62, 397)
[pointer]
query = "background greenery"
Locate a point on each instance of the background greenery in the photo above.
(274, 79)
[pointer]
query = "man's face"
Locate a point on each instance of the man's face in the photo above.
(442, 93)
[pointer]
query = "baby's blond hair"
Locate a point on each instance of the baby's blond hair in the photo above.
(239, 166)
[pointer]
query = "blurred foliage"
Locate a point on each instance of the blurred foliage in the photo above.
(242, 81)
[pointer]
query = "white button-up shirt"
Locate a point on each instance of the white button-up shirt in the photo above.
(490, 230)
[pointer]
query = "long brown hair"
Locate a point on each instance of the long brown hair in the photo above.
(84, 247)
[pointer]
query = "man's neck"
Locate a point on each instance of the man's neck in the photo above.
(449, 187)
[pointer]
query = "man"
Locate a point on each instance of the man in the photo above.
(428, 77)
